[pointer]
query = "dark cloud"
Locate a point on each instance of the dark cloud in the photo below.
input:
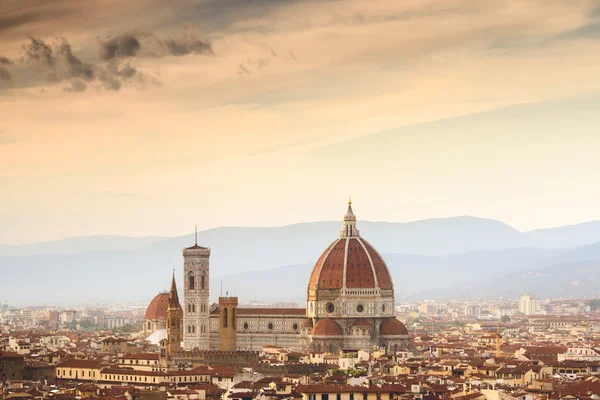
(37, 50)
(55, 62)
(126, 45)
(189, 46)
(589, 31)
(595, 13)
(145, 44)
(113, 75)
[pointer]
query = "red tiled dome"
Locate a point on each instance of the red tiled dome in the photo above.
(307, 323)
(363, 266)
(327, 327)
(158, 307)
(393, 327)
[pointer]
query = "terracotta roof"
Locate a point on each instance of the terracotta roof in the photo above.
(327, 327)
(307, 323)
(362, 264)
(392, 327)
(157, 309)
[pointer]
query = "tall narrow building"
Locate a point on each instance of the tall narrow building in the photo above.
(228, 323)
(196, 297)
(174, 320)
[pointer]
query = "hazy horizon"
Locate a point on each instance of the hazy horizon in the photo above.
(180, 234)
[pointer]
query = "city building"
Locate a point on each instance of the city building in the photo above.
(529, 304)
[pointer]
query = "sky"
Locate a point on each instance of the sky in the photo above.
(146, 117)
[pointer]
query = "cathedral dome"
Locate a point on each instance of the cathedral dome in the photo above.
(158, 307)
(327, 327)
(393, 327)
(350, 262)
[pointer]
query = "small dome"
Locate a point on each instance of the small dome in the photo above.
(158, 307)
(307, 323)
(393, 327)
(327, 327)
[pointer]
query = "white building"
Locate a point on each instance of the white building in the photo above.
(472, 310)
(529, 304)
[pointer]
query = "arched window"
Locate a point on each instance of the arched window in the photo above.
(191, 281)
(193, 308)
(202, 282)
(149, 325)
(225, 318)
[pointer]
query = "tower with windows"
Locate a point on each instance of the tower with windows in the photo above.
(228, 323)
(196, 297)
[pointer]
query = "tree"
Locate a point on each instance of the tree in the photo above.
(594, 304)
(505, 318)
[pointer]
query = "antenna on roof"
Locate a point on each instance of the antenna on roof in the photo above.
(196, 234)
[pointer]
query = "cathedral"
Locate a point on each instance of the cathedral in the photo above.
(350, 305)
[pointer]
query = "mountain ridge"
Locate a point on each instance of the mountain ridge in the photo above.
(422, 255)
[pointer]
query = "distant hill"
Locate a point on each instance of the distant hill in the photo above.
(78, 245)
(437, 257)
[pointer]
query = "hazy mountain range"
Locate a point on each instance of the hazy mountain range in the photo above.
(436, 258)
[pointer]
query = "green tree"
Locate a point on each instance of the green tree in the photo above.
(505, 318)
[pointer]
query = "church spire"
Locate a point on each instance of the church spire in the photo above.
(173, 296)
(349, 229)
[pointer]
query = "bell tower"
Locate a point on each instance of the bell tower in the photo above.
(196, 306)
(174, 320)
(228, 323)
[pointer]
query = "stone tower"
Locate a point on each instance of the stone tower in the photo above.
(196, 297)
(174, 321)
(228, 323)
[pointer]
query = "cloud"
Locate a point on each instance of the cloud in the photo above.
(54, 62)
(187, 46)
(125, 45)
(588, 31)
(146, 44)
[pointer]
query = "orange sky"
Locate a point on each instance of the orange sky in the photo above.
(279, 120)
